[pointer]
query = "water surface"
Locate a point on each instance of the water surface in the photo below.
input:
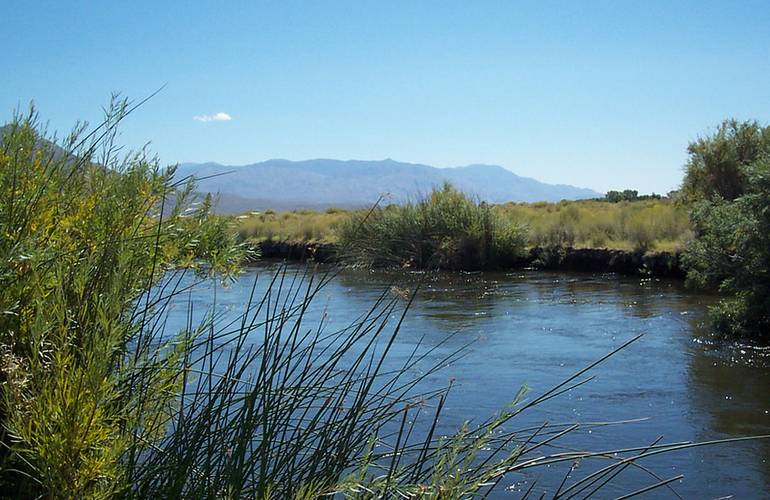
(536, 328)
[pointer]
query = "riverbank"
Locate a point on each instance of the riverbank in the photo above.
(630, 263)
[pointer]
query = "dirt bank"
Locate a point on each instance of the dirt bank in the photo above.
(659, 264)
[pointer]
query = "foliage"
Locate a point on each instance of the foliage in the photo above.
(304, 226)
(729, 195)
(616, 196)
(716, 165)
(629, 195)
(639, 225)
(84, 232)
(444, 230)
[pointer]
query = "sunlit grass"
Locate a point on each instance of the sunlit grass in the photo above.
(295, 226)
(656, 225)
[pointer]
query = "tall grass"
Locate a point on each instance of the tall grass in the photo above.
(85, 230)
(295, 226)
(446, 229)
(99, 400)
(639, 225)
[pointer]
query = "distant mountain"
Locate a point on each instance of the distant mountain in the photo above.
(284, 184)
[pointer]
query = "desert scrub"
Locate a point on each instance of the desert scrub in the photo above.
(446, 229)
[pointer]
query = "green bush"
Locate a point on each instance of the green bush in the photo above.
(716, 163)
(84, 234)
(728, 184)
(445, 230)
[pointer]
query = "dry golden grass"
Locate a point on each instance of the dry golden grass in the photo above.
(299, 225)
(639, 225)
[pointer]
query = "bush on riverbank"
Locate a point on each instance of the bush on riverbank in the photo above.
(728, 189)
(446, 230)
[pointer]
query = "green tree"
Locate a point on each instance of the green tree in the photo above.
(625, 195)
(716, 165)
(728, 189)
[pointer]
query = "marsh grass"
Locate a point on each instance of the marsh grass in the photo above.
(659, 225)
(100, 399)
(637, 225)
(296, 226)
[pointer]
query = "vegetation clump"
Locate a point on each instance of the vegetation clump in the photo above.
(630, 226)
(727, 187)
(446, 230)
(84, 233)
(629, 195)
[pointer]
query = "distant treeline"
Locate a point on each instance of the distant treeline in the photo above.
(631, 195)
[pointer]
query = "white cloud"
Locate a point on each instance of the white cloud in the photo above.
(216, 117)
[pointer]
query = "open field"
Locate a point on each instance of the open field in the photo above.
(638, 225)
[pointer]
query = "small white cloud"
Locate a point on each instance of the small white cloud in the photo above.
(216, 117)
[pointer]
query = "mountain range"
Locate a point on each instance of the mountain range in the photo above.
(322, 183)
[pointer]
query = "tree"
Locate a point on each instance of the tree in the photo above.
(728, 189)
(625, 195)
(716, 166)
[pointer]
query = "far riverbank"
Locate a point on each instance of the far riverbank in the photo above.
(629, 263)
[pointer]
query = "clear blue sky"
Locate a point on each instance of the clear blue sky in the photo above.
(597, 94)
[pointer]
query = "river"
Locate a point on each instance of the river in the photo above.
(537, 328)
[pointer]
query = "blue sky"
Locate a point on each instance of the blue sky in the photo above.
(597, 94)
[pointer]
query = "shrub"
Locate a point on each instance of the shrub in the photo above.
(84, 236)
(444, 230)
(716, 163)
(728, 181)
(640, 232)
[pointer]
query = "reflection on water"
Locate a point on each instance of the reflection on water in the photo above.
(537, 328)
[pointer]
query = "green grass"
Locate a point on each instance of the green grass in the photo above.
(637, 225)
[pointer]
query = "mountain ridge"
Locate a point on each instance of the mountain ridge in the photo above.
(323, 182)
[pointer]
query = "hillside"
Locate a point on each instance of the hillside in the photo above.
(284, 184)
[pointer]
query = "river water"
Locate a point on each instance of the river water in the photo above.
(537, 328)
